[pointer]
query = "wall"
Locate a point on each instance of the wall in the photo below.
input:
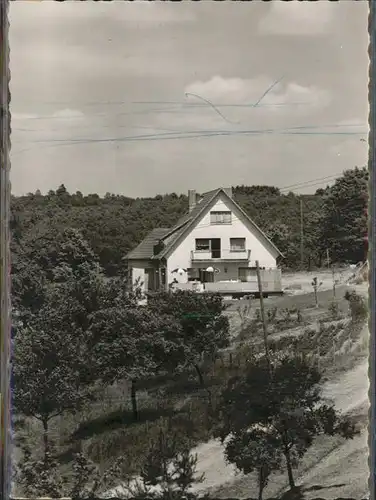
(180, 257)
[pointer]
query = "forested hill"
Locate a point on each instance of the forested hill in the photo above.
(334, 219)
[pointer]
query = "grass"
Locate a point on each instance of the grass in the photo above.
(106, 429)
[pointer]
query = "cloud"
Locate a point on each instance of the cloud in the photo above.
(137, 14)
(65, 114)
(22, 116)
(241, 91)
(68, 113)
(297, 18)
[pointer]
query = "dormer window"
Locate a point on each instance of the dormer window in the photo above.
(158, 247)
(220, 217)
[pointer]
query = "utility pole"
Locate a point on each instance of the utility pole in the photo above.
(262, 311)
(328, 258)
(301, 234)
(334, 282)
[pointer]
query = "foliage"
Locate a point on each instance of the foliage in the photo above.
(334, 219)
(132, 343)
(334, 310)
(286, 399)
(344, 217)
(357, 304)
(256, 449)
(170, 466)
(75, 327)
(39, 478)
(51, 374)
(52, 365)
(204, 329)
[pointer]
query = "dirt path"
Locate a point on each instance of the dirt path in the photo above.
(351, 390)
(331, 468)
(347, 462)
(328, 458)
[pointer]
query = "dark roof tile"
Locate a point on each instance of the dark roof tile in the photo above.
(145, 249)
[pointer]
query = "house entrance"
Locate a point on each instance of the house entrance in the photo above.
(206, 276)
(153, 279)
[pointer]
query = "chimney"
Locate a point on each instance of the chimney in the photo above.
(191, 199)
(228, 191)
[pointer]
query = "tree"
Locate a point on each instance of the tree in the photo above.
(344, 219)
(257, 449)
(52, 363)
(128, 341)
(204, 329)
(169, 465)
(286, 400)
(49, 372)
(41, 478)
(113, 225)
(49, 245)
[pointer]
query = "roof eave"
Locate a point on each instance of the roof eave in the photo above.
(190, 221)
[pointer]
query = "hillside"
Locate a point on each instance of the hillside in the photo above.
(333, 219)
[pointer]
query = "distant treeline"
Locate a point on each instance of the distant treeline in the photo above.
(334, 220)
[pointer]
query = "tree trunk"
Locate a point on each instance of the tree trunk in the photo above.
(261, 483)
(319, 260)
(45, 438)
(316, 297)
(289, 468)
(309, 262)
(134, 401)
(200, 377)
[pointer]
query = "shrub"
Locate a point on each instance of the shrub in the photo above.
(333, 310)
(357, 304)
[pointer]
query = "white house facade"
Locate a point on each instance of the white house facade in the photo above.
(216, 244)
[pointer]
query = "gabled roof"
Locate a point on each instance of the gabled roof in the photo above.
(145, 249)
(172, 236)
(187, 222)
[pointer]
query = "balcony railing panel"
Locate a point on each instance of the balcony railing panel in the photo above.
(271, 282)
(199, 255)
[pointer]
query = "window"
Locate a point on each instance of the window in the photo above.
(220, 217)
(237, 244)
(202, 245)
(193, 274)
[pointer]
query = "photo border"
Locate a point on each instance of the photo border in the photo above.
(5, 307)
(5, 323)
(371, 250)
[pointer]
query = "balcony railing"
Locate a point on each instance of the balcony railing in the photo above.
(220, 255)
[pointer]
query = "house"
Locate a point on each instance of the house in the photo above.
(215, 245)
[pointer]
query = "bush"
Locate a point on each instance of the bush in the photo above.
(357, 304)
(334, 310)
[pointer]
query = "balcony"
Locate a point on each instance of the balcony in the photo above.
(220, 256)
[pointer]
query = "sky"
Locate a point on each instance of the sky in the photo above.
(145, 98)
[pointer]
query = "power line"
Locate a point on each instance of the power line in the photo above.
(193, 135)
(300, 184)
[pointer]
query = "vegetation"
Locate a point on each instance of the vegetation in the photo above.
(284, 405)
(334, 219)
(157, 372)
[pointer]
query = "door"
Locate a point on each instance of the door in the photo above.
(206, 277)
(149, 280)
(216, 248)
